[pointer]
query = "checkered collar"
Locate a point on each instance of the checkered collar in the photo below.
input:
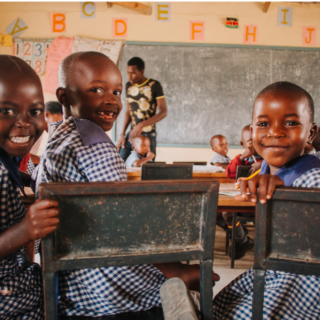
(90, 133)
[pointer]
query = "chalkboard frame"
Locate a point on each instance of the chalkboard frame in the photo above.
(197, 44)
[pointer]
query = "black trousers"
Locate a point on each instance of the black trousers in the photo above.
(126, 151)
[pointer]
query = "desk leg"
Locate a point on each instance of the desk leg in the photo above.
(233, 241)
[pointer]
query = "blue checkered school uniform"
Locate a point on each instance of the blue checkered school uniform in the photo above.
(30, 167)
(286, 295)
(79, 150)
(20, 280)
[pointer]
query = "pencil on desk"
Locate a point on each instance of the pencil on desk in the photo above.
(253, 175)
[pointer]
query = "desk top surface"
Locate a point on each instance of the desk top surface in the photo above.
(223, 199)
(230, 201)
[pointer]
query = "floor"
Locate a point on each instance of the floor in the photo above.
(221, 264)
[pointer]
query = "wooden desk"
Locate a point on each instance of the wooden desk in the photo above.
(225, 203)
(136, 173)
(229, 204)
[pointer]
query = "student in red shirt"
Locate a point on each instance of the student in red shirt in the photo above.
(245, 158)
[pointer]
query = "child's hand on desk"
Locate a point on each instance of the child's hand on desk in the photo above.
(267, 184)
(41, 219)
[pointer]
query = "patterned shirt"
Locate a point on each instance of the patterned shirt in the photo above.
(143, 102)
(20, 280)
(79, 150)
(286, 295)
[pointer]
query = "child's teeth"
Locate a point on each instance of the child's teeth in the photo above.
(20, 139)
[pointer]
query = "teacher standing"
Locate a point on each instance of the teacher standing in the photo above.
(144, 97)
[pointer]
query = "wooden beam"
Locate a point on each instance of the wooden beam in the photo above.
(266, 7)
(136, 6)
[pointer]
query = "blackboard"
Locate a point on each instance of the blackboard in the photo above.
(210, 90)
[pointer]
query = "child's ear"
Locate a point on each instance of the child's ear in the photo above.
(47, 113)
(62, 97)
(312, 133)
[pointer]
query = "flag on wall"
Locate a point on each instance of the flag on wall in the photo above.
(232, 23)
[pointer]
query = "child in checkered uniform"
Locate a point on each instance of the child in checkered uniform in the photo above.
(90, 86)
(21, 124)
(282, 124)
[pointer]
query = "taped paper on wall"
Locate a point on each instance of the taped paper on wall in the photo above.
(58, 50)
(34, 52)
(110, 48)
(16, 28)
(6, 40)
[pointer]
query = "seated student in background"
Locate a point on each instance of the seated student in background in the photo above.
(246, 158)
(243, 242)
(282, 124)
(53, 117)
(90, 87)
(219, 145)
(140, 153)
(53, 111)
(21, 124)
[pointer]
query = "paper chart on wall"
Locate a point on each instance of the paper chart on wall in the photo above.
(34, 52)
(60, 48)
(110, 48)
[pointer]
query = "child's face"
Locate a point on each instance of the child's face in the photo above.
(281, 127)
(93, 92)
(21, 114)
(220, 145)
(142, 146)
(246, 139)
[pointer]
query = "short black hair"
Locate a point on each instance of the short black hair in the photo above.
(291, 88)
(138, 62)
(217, 136)
(53, 107)
(66, 65)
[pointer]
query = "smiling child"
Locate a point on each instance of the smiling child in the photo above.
(282, 124)
(246, 158)
(90, 85)
(140, 153)
(21, 124)
(219, 145)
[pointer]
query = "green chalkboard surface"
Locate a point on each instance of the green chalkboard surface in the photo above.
(210, 90)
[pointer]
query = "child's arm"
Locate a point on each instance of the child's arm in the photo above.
(127, 120)
(231, 169)
(255, 167)
(248, 152)
(267, 183)
(140, 162)
(40, 220)
(219, 164)
(190, 274)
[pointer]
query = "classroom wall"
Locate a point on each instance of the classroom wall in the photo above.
(145, 28)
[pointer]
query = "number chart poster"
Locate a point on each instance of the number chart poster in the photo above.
(34, 52)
